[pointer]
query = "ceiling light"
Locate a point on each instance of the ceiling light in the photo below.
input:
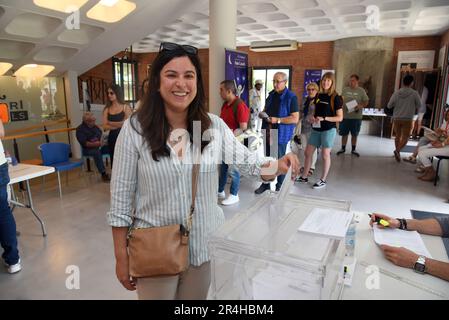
(4, 66)
(34, 70)
(111, 11)
(60, 5)
(108, 3)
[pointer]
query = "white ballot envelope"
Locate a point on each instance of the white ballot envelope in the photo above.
(351, 105)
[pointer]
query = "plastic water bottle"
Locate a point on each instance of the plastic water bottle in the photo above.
(350, 239)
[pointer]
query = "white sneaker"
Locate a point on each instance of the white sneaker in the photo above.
(231, 200)
(320, 184)
(221, 195)
(14, 268)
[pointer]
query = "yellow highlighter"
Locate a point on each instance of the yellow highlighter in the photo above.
(381, 221)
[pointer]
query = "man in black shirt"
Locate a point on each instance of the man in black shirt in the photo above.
(89, 137)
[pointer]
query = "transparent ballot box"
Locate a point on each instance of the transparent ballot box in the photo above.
(260, 254)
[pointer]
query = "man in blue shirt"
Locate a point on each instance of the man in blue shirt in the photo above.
(89, 137)
(282, 109)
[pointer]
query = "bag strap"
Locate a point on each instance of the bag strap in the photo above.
(195, 175)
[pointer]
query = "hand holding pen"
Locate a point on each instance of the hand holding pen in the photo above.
(383, 221)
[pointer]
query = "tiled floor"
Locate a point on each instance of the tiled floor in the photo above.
(79, 236)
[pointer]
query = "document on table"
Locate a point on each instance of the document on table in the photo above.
(401, 238)
(351, 105)
(327, 223)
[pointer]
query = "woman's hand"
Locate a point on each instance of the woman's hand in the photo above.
(275, 168)
(394, 223)
(287, 161)
(122, 272)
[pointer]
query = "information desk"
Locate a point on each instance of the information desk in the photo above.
(24, 173)
(376, 114)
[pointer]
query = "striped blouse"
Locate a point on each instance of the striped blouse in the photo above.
(161, 191)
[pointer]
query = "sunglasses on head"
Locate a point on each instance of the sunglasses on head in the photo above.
(170, 46)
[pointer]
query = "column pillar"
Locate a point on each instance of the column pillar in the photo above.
(222, 34)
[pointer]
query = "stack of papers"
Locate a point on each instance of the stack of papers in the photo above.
(327, 223)
(401, 238)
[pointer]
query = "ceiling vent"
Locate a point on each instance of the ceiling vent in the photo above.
(277, 45)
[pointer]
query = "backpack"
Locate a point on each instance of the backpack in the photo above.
(235, 106)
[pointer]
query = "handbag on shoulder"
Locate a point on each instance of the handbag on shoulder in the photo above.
(161, 251)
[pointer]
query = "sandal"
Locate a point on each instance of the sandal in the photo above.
(311, 171)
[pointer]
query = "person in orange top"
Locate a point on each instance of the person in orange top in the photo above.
(235, 113)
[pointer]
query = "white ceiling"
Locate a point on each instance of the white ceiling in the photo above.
(30, 34)
(306, 21)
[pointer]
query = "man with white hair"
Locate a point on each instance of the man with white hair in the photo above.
(89, 137)
(255, 104)
(281, 114)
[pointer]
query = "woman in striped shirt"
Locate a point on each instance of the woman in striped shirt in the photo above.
(152, 173)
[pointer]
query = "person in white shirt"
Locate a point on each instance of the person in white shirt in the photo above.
(439, 147)
(8, 235)
(152, 175)
(426, 143)
(255, 105)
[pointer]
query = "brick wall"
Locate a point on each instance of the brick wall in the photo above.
(316, 55)
(309, 56)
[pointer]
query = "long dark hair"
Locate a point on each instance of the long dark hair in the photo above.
(151, 116)
(118, 95)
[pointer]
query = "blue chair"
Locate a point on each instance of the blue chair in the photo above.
(56, 154)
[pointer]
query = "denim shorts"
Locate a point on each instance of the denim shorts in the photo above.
(323, 139)
(350, 125)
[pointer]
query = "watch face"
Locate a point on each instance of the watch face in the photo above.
(419, 267)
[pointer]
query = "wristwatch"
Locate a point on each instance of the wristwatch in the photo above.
(420, 265)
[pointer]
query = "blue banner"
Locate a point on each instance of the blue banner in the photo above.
(311, 76)
(237, 69)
